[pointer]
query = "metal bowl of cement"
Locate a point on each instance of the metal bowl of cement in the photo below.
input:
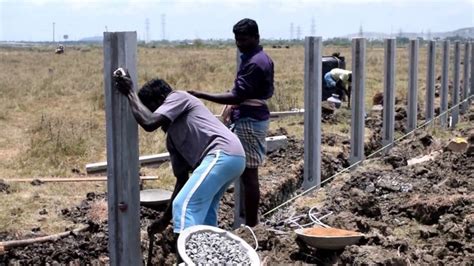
(154, 197)
(186, 234)
(328, 238)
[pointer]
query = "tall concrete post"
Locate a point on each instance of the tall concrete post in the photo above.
(467, 82)
(456, 68)
(412, 100)
(358, 101)
(123, 190)
(312, 111)
(444, 84)
(430, 81)
(472, 71)
(388, 129)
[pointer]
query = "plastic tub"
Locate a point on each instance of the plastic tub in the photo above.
(186, 234)
(328, 238)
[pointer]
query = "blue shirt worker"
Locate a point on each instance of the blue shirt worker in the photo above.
(198, 143)
(248, 110)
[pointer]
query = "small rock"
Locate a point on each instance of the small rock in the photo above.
(421, 171)
(400, 113)
(377, 99)
(370, 187)
(426, 139)
(4, 187)
(65, 211)
(440, 252)
(90, 196)
(43, 212)
(395, 161)
(427, 232)
(75, 171)
(428, 258)
(37, 182)
(470, 150)
(388, 183)
(327, 108)
(377, 108)
(471, 117)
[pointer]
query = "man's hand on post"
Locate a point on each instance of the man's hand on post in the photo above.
(122, 81)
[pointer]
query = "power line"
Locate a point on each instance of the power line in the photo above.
(291, 31)
(163, 26)
(147, 30)
(313, 27)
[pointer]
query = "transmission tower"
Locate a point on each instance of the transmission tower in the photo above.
(163, 26)
(54, 25)
(147, 30)
(291, 31)
(313, 27)
(298, 32)
(361, 31)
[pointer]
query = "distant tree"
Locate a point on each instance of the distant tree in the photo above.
(198, 43)
(400, 33)
(456, 38)
(402, 40)
(338, 41)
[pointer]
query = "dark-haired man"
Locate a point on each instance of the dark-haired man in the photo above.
(197, 142)
(247, 108)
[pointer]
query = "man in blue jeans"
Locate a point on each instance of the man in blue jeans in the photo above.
(249, 113)
(197, 142)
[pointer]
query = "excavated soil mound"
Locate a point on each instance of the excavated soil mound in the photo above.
(419, 214)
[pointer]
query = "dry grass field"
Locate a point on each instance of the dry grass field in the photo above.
(52, 113)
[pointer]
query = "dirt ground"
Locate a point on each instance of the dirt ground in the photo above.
(409, 215)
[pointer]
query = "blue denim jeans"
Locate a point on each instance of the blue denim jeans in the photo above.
(198, 201)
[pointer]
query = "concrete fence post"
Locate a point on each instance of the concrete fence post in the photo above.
(389, 93)
(358, 101)
(312, 113)
(239, 195)
(412, 100)
(123, 190)
(444, 84)
(466, 86)
(455, 98)
(430, 81)
(472, 71)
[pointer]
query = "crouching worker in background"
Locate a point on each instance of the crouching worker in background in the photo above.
(338, 83)
(198, 143)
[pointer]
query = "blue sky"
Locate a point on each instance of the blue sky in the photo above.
(32, 20)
